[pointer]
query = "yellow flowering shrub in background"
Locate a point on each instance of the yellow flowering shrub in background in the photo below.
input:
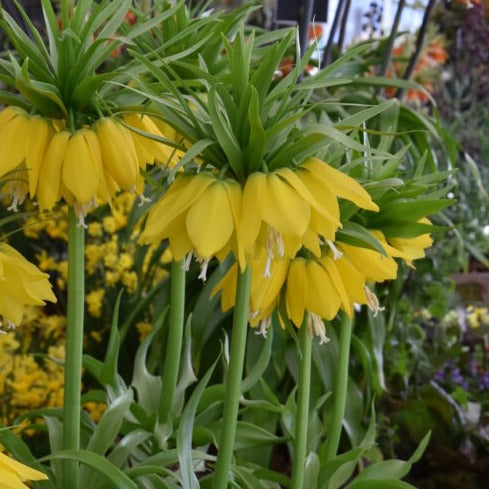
(31, 357)
(29, 380)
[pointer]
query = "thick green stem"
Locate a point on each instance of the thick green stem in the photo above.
(233, 382)
(74, 346)
(174, 342)
(302, 415)
(340, 390)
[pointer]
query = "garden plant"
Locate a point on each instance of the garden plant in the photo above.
(221, 241)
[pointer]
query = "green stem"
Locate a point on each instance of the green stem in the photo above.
(340, 390)
(175, 335)
(302, 415)
(233, 382)
(74, 347)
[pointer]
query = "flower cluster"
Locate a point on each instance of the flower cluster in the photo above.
(312, 288)
(45, 160)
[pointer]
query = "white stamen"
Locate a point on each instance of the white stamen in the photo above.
(80, 212)
(357, 307)
(373, 302)
(6, 325)
(188, 259)
(143, 200)
(315, 325)
(14, 204)
(337, 254)
(203, 270)
(264, 325)
(275, 242)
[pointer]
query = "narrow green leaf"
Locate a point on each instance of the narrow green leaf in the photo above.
(184, 433)
(224, 134)
(355, 234)
(379, 484)
(43, 96)
(257, 139)
(97, 462)
(260, 365)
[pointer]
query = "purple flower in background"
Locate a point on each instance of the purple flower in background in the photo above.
(484, 381)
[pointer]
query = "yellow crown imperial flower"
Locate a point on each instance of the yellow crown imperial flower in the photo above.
(21, 284)
(82, 166)
(49, 186)
(199, 213)
(148, 150)
(264, 292)
(299, 205)
(119, 156)
(313, 288)
(411, 249)
(13, 473)
(24, 142)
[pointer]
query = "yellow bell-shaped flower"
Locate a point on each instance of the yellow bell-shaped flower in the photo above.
(13, 474)
(119, 157)
(199, 213)
(149, 150)
(21, 284)
(298, 204)
(82, 166)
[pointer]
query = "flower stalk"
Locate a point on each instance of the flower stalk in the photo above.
(233, 383)
(340, 389)
(74, 346)
(175, 335)
(302, 414)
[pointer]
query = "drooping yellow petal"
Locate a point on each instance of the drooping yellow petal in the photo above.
(326, 218)
(182, 193)
(370, 263)
(210, 222)
(265, 290)
(344, 186)
(9, 478)
(354, 283)
(13, 137)
(412, 248)
(325, 202)
(180, 244)
(82, 167)
(285, 209)
(41, 132)
(310, 240)
(253, 203)
(9, 113)
(296, 291)
(339, 282)
(235, 196)
(49, 189)
(148, 149)
(21, 284)
(118, 153)
(322, 298)
(227, 287)
(23, 471)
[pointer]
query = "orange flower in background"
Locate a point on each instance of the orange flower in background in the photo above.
(430, 59)
(315, 31)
